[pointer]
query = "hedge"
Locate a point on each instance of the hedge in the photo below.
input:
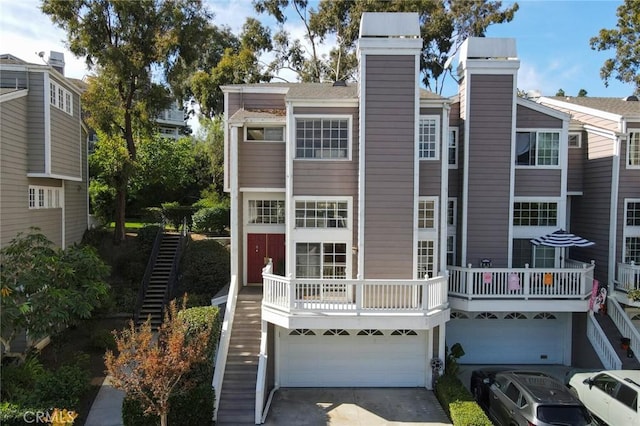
(459, 404)
(212, 219)
(204, 270)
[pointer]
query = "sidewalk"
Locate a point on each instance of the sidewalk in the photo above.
(106, 409)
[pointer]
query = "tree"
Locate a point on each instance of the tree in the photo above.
(46, 289)
(150, 367)
(582, 93)
(129, 40)
(209, 152)
(238, 63)
(625, 66)
(560, 92)
(444, 26)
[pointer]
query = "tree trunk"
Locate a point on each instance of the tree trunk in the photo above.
(163, 419)
(121, 201)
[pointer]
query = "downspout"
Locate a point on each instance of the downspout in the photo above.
(613, 214)
(444, 187)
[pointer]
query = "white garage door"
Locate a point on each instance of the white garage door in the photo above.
(352, 360)
(513, 338)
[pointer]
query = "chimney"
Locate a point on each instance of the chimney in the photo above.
(56, 60)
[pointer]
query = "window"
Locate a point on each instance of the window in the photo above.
(426, 259)
(451, 212)
(525, 253)
(515, 315)
(453, 146)
(370, 332)
(605, 383)
(266, 211)
(627, 396)
(575, 140)
(633, 213)
(633, 149)
(52, 94)
(403, 332)
(264, 133)
(321, 260)
(322, 138)
(451, 250)
(336, 332)
(513, 394)
(44, 197)
(535, 214)
(632, 231)
(321, 214)
(545, 316)
(537, 148)
(428, 142)
(427, 214)
(60, 98)
(632, 250)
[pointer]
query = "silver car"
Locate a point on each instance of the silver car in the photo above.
(527, 398)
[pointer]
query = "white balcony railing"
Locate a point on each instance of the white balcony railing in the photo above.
(571, 282)
(628, 276)
(354, 296)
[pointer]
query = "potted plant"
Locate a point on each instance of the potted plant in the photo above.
(634, 294)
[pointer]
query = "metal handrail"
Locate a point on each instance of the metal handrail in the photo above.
(147, 273)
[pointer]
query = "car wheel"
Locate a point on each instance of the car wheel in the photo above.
(477, 393)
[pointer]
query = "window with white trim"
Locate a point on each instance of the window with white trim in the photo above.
(453, 147)
(321, 260)
(321, 214)
(452, 213)
(44, 197)
(427, 213)
(60, 98)
(322, 138)
(254, 133)
(429, 131)
(535, 213)
(633, 149)
(426, 259)
(632, 231)
(575, 140)
(266, 211)
(537, 148)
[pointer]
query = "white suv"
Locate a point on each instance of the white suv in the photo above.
(612, 395)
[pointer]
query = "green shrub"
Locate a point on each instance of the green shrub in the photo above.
(19, 379)
(102, 340)
(212, 219)
(458, 402)
(151, 215)
(175, 214)
(204, 268)
(146, 235)
(190, 407)
(63, 387)
(103, 201)
(198, 319)
(12, 414)
(95, 237)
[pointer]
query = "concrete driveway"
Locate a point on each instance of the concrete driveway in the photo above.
(355, 407)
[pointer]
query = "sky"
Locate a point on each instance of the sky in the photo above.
(552, 40)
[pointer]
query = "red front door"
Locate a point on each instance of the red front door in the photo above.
(261, 247)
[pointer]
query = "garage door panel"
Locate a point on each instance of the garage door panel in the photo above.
(358, 361)
(508, 341)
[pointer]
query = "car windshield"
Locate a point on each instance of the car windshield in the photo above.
(564, 415)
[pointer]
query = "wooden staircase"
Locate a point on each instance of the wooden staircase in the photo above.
(238, 397)
(153, 302)
(614, 336)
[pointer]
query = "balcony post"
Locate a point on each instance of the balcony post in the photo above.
(527, 282)
(469, 281)
(359, 293)
(292, 291)
(425, 296)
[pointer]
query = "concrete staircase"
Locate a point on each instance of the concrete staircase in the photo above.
(153, 301)
(238, 397)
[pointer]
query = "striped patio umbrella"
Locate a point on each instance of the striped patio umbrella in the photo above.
(561, 238)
